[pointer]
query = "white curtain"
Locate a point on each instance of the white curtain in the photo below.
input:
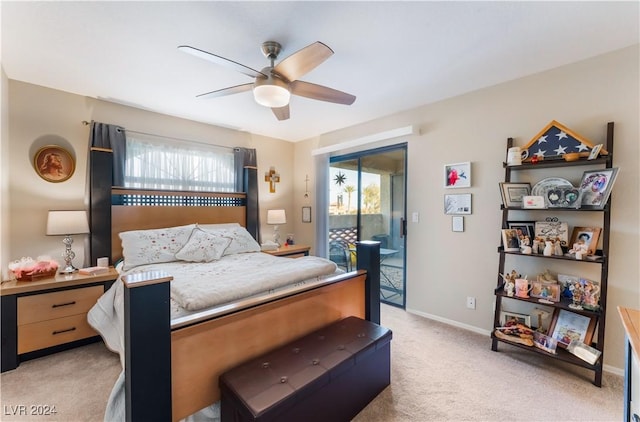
(163, 163)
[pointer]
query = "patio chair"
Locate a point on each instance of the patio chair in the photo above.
(339, 253)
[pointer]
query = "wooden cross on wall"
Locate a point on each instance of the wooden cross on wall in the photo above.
(272, 177)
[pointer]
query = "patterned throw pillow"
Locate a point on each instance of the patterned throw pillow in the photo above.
(203, 247)
(241, 240)
(140, 247)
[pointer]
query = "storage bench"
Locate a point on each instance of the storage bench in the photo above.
(328, 375)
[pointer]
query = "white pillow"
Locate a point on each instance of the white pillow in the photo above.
(140, 247)
(203, 247)
(215, 226)
(241, 240)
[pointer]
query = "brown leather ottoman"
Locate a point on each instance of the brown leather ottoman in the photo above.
(328, 375)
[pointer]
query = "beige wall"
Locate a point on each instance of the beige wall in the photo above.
(443, 267)
(4, 168)
(38, 116)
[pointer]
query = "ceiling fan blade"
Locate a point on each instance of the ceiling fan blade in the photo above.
(221, 61)
(322, 93)
(282, 113)
(303, 61)
(227, 91)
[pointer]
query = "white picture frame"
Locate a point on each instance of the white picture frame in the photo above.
(533, 202)
(521, 318)
(457, 204)
(457, 175)
(457, 223)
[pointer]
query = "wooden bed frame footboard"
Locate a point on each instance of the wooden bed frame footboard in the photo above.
(173, 373)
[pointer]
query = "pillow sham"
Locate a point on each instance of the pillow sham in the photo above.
(215, 226)
(203, 247)
(241, 240)
(140, 247)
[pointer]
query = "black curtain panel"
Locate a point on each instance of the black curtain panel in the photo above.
(107, 145)
(111, 137)
(246, 166)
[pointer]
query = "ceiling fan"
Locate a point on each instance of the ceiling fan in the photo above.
(274, 85)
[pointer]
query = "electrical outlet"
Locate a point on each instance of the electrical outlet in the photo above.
(471, 302)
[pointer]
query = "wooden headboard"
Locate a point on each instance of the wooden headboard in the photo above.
(141, 209)
(116, 209)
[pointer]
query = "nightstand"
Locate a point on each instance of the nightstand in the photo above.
(48, 315)
(290, 251)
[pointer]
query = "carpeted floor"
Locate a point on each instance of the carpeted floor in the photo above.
(439, 373)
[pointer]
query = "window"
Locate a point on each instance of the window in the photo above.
(162, 163)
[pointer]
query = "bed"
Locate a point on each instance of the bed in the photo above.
(172, 362)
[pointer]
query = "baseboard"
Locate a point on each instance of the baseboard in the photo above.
(606, 368)
(450, 322)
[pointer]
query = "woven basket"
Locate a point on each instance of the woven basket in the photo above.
(35, 276)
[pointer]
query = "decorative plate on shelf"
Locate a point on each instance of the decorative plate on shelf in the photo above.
(540, 188)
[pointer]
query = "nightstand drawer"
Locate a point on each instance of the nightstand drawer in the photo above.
(49, 306)
(44, 334)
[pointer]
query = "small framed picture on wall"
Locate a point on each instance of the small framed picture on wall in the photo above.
(457, 175)
(306, 214)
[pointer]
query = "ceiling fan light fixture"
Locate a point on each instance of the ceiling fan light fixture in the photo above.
(271, 92)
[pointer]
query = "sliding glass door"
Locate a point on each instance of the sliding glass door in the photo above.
(367, 202)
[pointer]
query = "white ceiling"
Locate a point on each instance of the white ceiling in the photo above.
(391, 55)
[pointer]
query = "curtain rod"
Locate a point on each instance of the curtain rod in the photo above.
(86, 123)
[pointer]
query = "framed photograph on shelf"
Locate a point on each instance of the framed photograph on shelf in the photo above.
(533, 202)
(588, 236)
(567, 326)
(54, 163)
(457, 175)
(513, 193)
(552, 228)
(596, 186)
(524, 228)
(457, 204)
(506, 316)
(548, 291)
(510, 240)
(595, 151)
(544, 342)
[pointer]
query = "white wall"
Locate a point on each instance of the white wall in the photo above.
(443, 267)
(39, 116)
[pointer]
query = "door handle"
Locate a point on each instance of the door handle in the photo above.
(403, 227)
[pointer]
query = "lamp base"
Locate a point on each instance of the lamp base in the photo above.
(68, 270)
(276, 236)
(68, 256)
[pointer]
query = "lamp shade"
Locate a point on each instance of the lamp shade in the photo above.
(67, 222)
(276, 217)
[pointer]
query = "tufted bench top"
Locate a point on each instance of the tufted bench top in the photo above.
(285, 376)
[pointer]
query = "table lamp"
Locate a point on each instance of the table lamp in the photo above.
(276, 217)
(66, 223)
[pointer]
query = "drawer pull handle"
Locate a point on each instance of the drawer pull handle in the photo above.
(64, 331)
(63, 304)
